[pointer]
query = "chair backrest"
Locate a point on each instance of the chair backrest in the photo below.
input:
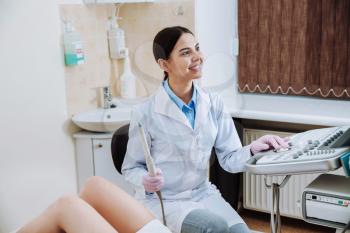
(118, 146)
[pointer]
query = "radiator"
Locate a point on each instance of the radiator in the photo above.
(257, 197)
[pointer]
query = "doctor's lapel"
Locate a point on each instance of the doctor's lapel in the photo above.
(202, 109)
(165, 106)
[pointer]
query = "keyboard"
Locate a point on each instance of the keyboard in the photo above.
(310, 151)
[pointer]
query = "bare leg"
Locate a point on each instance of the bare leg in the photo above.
(122, 211)
(69, 214)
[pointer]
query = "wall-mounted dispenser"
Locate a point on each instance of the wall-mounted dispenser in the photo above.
(116, 38)
(73, 45)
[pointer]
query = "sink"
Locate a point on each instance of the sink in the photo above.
(103, 120)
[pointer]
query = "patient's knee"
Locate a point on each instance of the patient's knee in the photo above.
(67, 200)
(66, 203)
(95, 181)
(92, 185)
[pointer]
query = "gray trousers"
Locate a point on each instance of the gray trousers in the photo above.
(204, 221)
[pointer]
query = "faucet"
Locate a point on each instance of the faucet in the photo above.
(107, 97)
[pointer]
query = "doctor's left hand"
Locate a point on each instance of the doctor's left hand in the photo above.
(153, 183)
(268, 142)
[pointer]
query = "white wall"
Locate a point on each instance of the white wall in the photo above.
(216, 23)
(37, 162)
(216, 30)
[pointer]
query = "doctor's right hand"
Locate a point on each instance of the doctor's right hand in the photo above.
(153, 183)
(268, 142)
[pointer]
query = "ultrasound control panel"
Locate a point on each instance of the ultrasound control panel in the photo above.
(311, 151)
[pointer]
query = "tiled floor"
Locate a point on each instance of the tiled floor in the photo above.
(261, 222)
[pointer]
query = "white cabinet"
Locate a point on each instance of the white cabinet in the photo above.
(94, 158)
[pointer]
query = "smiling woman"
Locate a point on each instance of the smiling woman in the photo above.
(182, 124)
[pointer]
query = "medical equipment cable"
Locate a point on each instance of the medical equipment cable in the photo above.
(150, 166)
(159, 194)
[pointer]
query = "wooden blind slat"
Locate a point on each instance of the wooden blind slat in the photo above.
(242, 32)
(263, 59)
(299, 14)
(313, 45)
(252, 47)
(327, 42)
(340, 45)
(286, 22)
(274, 48)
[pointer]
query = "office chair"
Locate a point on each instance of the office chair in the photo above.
(118, 146)
(226, 182)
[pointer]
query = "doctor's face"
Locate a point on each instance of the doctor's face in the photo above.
(186, 59)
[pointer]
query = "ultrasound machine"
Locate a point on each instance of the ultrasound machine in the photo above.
(326, 200)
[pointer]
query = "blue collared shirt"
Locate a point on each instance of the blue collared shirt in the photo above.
(188, 109)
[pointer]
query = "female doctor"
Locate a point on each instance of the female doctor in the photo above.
(182, 123)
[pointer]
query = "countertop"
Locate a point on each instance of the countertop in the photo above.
(311, 111)
(290, 118)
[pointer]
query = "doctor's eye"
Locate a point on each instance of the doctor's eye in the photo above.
(186, 52)
(197, 48)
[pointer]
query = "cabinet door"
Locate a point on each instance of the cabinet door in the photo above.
(85, 160)
(103, 164)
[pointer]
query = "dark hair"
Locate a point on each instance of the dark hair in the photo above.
(165, 41)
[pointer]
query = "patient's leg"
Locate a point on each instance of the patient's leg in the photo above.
(68, 214)
(122, 211)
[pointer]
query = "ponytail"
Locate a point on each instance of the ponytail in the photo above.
(165, 76)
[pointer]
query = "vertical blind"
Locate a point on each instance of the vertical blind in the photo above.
(295, 47)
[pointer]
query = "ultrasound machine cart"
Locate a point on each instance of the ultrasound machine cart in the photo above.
(314, 151)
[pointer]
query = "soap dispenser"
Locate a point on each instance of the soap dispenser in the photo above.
(73, 45)
(127, 79)
(116, 38)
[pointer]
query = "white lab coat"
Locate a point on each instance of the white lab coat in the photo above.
(183, 153)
